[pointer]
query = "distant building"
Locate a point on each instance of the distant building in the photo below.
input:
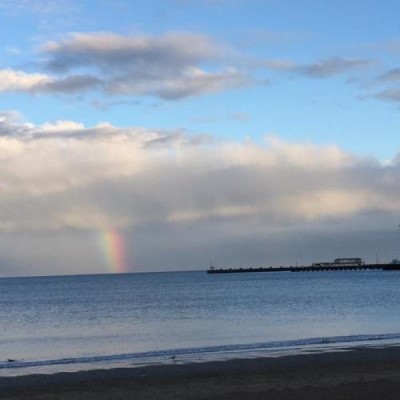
(341, 262)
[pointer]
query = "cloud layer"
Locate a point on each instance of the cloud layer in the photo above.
(62, 176)
(278, 181)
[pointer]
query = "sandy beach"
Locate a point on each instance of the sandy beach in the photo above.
(360, 373)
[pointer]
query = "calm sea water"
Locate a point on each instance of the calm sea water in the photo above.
(75, 322)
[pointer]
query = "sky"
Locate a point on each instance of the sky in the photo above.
(167, 135)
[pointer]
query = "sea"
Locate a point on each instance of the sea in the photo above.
(70, 323)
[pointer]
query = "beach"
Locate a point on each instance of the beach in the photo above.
(356, 373)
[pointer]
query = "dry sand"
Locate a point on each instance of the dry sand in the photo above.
(357, 374)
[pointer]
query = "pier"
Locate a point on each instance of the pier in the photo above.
(339, 264)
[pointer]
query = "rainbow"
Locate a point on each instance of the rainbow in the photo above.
(113, 246)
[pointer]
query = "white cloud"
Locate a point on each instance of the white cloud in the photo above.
(62, 126)
(11, 80)
(162, 176)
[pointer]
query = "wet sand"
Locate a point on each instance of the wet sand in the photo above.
(362, 373)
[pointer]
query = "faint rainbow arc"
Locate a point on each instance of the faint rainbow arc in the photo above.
(113, 246)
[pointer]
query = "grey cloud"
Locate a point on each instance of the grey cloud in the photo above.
(332, 66)
(389, 82)
(392, 95)
(393, 75)
(181, 138)
(176, 88)
(170, 66)
(321, 69)
(144, 54)
(167, 88)
(11, 124)
(70, 84)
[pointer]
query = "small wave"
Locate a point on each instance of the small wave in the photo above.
(141, 357)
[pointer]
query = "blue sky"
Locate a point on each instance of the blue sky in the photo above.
(120, 95)
(327, 110)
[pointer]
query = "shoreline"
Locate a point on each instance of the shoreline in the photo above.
(191, 355)
(357, 373)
